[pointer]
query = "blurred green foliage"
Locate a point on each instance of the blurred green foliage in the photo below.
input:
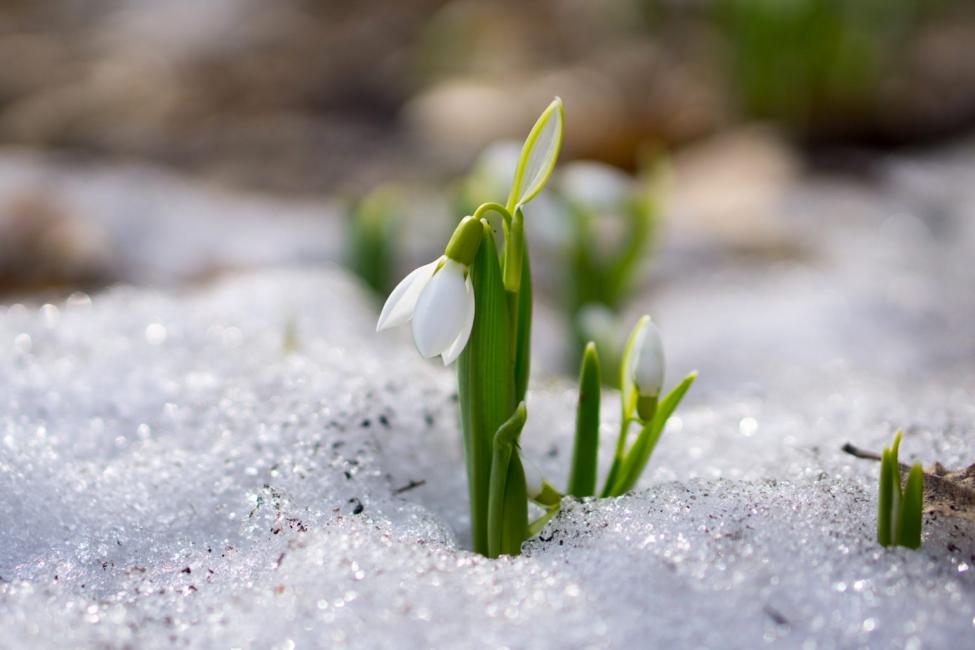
(371, 229)
(791, 58)
(612, 219)
(606, 277)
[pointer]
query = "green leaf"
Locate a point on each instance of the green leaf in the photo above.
(896, 493)
(538, 156)
(508, 499)
(911, 507)
(514, 252)
(486, 391)
(885, 509)
(522, 306)
(889, 500)
(638, 212)
(582, 476)
(514, 529)
(370, 242)
(639, 454)
(586, 271)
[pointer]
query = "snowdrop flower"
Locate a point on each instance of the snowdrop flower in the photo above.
(438, 297)
(647, 369)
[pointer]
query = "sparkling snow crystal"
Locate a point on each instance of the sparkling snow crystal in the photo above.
(247, 464)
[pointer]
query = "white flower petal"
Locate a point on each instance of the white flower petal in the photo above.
(451, 353)
(401, 302)
(648, 370)
(438, 317)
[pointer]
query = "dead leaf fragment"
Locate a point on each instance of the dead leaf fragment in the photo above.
(946, 492)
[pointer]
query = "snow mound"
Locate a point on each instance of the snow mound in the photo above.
(249, 465)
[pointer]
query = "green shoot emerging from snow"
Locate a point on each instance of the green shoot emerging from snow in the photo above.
(371, 233)
(474, 305)
(899, 507)
(641, 381)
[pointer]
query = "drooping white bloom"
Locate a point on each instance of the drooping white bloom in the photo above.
(647, 368)
(439, 300)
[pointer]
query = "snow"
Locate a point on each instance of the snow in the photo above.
(247, 464)
(150, 226)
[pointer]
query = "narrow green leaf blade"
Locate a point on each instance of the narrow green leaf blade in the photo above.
(507, 479)
(619, 276)
(885, 500)
(370, 243)
(514, 529)
(485, 382)
(538, 156)
(896, 492)
(582, 475)
(496, 496)
(911, 509)
(636, 459)
(523, 331)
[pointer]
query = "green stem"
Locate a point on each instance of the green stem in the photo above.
(637, 457)
(911, 508)
(522, 306)
(484, 208)
(618, 454)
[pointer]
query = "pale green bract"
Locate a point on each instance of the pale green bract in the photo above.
(538, 156)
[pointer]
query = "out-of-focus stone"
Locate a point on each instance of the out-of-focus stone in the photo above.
(730, 192)
(42, 245)
(68, 224)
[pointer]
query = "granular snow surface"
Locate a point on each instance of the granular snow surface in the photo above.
(247, 465)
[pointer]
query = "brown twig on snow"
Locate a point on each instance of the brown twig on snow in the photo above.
(860, 453)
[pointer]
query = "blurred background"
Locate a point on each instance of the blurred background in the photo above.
(167, 141)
